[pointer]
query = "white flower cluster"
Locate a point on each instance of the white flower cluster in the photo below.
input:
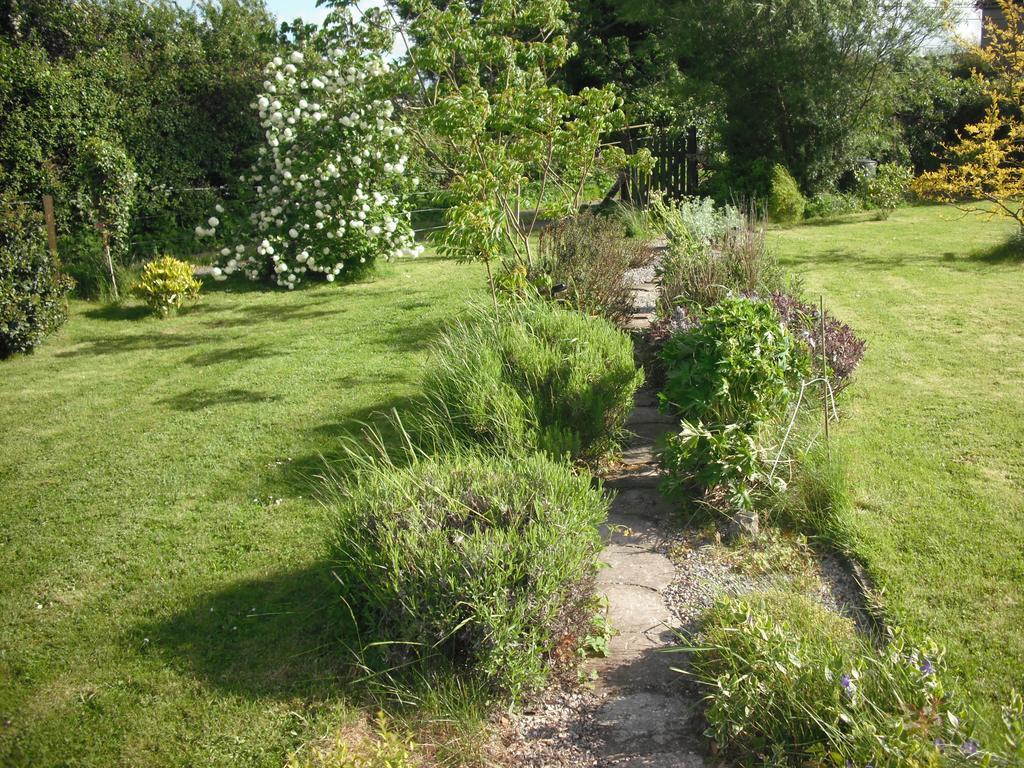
(329, 186)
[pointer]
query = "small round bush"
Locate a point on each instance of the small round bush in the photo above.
(482, 562)
(887, 189)
(534, 376)
(786, 204)
(166, 283)
(33, 292)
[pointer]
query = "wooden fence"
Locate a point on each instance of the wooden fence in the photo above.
(675, 172)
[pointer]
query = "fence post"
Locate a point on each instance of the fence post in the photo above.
(51, 226)
(691, 160)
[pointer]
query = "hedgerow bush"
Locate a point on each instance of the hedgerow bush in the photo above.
(33, 291)
(791, 684)
(588, 257)
(165, 284)
(483, 562)
(729, 378)
(786, 204)
(532, 375)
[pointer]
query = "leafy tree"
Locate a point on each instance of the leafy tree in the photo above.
(936, 98)
(802, 82)
(985, 163)
(631, 55)
(490, 116)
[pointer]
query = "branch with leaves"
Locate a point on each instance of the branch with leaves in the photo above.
(983, 171)
(490, 117)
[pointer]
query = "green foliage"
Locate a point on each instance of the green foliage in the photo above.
(937, 98)
(816, 499)
(166, 284)
(486, 562)
(786, 204)
(631, 52)
(636, 220)
(109, 179)
(827, 205)
(694, 224)
(729, 380)
(734, 367)
(713, 253)
(534, 376)
(386, 748)
(496, 124)
(721, 465)
(171, 82)
(589, 255)
(887, 189)
(815, 82)
(791, 684)
(33, 292)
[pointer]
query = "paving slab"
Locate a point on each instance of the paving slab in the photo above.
(650, 716)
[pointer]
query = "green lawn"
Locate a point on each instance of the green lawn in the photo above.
(164, 600)
(934, 425)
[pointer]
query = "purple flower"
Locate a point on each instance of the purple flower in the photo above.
(927, 668)
(847, 683)
(940, 745)
(970, 748)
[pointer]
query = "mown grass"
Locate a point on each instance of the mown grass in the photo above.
(164, 598)
(934, 425)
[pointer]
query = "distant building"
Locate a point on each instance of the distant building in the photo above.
(991, 13)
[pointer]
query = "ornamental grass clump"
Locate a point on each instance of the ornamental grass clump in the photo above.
(166, 284)
(534, 376)
(791, 684)
(475, 563)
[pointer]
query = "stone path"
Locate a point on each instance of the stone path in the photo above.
(650, 714)
(641, 712)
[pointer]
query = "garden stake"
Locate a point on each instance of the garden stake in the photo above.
(824, 374)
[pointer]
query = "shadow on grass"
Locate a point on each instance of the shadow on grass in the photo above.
(198, 399)
(306, 475)
(106, 345)
(1009, 252)
(234, 284)
(846, 218)
(119, 312)
(231, 355)
(256, 314)
(281, 636)
(1004, 254)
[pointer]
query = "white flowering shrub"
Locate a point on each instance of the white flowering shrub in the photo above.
(329, 188)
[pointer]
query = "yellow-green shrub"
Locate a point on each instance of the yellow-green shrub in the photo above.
(166, 283)
(786, 204)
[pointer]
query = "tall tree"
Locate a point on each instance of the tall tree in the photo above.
(801, 82)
